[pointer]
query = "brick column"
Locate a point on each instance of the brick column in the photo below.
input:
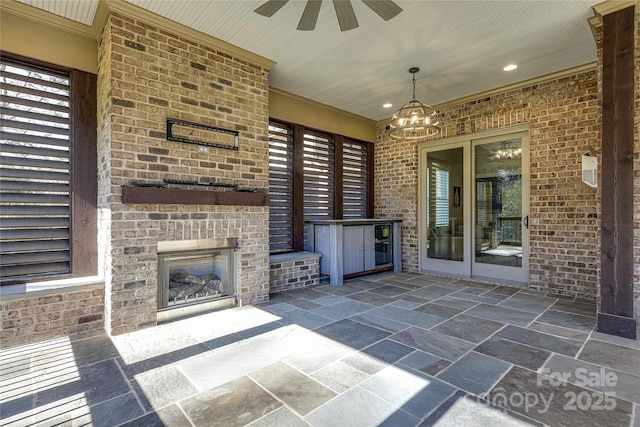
(148, 74)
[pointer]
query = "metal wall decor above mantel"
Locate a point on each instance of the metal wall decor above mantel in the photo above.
(174, 136)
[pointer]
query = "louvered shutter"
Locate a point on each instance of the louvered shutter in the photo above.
(354, 179)
(314, 175)
(318, 176)
(34, 171)
(280, 188)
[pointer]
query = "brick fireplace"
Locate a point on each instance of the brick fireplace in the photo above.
(146, 76)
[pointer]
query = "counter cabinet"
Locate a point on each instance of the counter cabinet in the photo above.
(353, 247)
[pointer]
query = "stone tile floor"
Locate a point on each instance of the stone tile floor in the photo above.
(393, 349)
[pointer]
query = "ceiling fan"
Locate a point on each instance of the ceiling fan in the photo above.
(386, 9)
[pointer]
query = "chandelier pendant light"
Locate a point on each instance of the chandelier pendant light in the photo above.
(507, 150)
(414, 120)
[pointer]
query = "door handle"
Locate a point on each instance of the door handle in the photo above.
(526, 221)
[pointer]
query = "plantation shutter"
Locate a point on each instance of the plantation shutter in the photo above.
(442, 197)
(280, 188)
(354, 179)
(34, 171)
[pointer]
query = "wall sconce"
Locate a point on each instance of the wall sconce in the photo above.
(590, 170)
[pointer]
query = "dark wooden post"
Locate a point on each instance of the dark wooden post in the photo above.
(371, 181)
(298, 188)
(84, 160)
(338, 178)
(615, 314)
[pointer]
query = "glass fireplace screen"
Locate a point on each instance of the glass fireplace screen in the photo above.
(193, 277)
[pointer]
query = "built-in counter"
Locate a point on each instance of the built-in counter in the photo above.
(355, 246)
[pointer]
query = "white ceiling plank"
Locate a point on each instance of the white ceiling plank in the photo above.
(82, 11)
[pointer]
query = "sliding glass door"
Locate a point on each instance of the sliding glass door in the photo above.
(474, 207)
(500, 208)
(444, 206)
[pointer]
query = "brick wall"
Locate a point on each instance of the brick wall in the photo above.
(564, 229)
(146, 76)
(40, 317)
(292, 271)
(564, 120)
(396, 190)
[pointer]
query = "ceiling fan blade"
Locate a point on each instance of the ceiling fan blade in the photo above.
(270, 7)
(310, 15)
(386, 9)
(346, 16)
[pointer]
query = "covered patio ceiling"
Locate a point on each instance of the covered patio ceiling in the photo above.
(461, 47)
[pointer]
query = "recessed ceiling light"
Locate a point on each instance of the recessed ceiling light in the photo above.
(387, 105)
(510, 67)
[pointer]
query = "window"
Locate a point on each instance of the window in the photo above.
(47, 181)
(314, 175)
(483, 189)
(442, 198)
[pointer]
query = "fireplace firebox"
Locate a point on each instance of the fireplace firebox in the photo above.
(195, 276)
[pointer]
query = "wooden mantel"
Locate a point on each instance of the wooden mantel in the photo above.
(176, 196)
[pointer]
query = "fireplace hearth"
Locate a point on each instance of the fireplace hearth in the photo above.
(195, 276)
